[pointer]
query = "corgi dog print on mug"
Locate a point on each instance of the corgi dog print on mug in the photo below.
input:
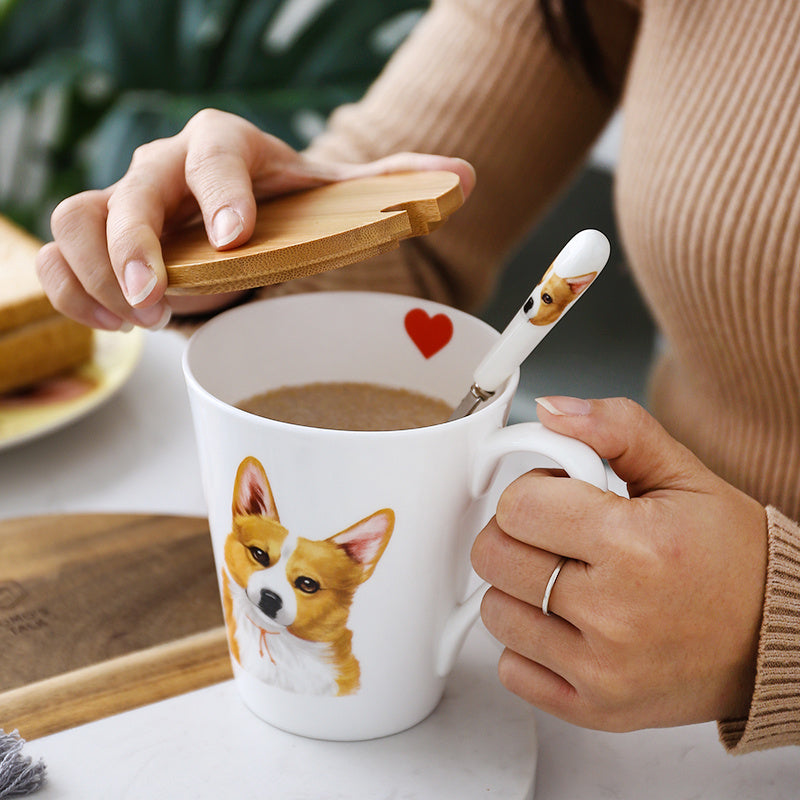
(287, 599)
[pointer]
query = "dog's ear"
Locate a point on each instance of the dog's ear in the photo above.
(251, 491)
(580, 282)
(365, 541)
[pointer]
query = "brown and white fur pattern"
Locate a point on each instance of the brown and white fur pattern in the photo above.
(553, 295)
(287, 598)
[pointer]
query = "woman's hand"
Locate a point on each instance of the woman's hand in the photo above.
(654, 619)
(104, 267)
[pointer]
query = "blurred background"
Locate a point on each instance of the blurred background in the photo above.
(84, 82)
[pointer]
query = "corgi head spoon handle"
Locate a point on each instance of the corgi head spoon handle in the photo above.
(570, 274)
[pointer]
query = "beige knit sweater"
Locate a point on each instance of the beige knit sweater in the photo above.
(708, 201)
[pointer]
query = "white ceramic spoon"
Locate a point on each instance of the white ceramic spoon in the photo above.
(573, 270)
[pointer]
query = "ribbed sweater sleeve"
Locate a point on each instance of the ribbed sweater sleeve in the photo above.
(774, 718)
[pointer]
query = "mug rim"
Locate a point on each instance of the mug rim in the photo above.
(194, 384)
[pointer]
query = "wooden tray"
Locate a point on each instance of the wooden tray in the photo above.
(314, 231)
(101, 613)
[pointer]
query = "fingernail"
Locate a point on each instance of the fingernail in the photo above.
(139, 281)
(163, 320)
(226, 226)
(107, 320)
(153, 318)
(565, 406)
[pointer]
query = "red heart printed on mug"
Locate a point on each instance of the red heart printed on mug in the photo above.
(429, 334)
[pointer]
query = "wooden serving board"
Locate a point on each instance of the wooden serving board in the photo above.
(101, 613)
(314, 231)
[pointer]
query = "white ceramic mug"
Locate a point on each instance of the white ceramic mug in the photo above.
(343, 556)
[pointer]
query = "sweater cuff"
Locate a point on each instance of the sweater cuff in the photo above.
(774, 718)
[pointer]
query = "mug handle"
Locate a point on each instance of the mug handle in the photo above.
(576, 458)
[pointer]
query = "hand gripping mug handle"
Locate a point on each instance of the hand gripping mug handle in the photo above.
(576, 458)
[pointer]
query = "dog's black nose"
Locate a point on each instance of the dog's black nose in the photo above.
(270, 603)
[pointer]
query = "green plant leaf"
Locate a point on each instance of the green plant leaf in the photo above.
(33, 29)
(129, 71)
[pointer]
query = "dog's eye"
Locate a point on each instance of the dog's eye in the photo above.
(307, 585)
(546, 298)
(528, 305)
(259, 555)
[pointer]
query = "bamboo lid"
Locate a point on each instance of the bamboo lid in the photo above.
(314, 231)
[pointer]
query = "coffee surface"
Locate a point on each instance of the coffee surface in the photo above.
(349, 406)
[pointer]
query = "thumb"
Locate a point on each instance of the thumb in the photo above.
(635, 445)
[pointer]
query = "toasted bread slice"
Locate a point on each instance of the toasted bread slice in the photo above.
(21, 297)
(36, 342)
(41, 349)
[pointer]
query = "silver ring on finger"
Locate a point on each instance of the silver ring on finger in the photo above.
(551, 583)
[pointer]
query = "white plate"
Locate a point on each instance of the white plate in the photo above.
(55, 403)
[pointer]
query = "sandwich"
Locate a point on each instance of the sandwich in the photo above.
(36, 342)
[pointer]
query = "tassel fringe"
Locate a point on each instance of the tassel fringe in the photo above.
(19, 776)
